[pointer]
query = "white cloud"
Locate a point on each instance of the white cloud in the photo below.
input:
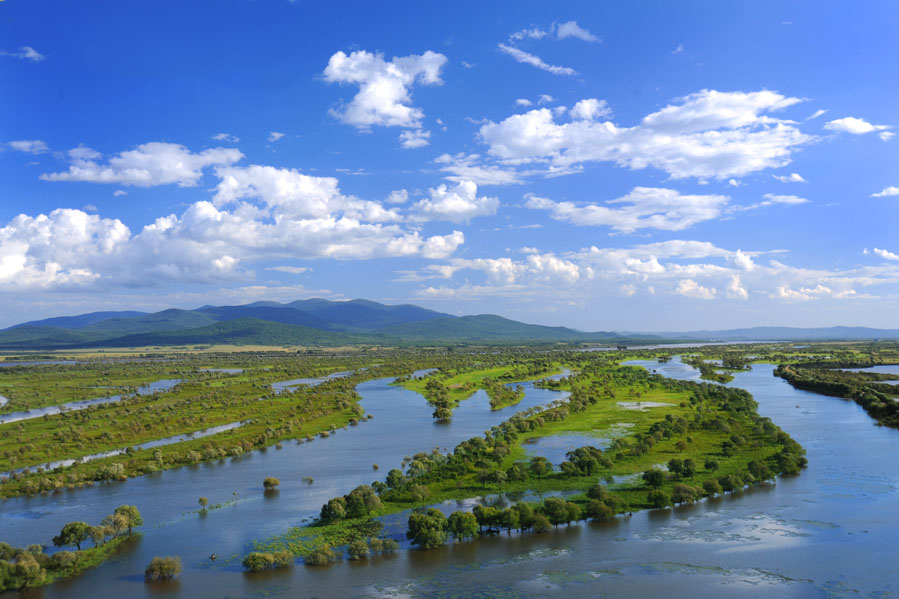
(591, 109)
(535, 33)
(294, 270)
(886, 135)
(384, 87)
(735, 289)
(29, 146)
(678, 50)
(119, 193)
(885, 254)
(440, 247)
(816, 114)
(274, 136)
(398, 196)
(523, 102)
(468, 167)
(892, 190)
(414, 138)
(457, 204)
(783, 199)
(545, 99)
(709, 134)
(535, 61)
(154, 163)
(690, 288)
(791, 178)
(666, 269)
(25, 53)
(572, 29)
(226, 137)
(853, 125)
(643, 207)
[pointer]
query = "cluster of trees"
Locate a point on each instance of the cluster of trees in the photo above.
(862, 388)
(22, 568)
(257, 561)
(358, 503)
(431, 528)
(500, 395)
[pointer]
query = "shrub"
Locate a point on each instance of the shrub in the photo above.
(163, 568)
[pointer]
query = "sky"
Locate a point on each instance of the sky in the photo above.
(638, 166)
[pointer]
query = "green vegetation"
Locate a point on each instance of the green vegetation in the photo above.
(163, 568)
(31, 567)
(691, 424)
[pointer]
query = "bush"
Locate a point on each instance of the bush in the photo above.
(658, 499)
(163, 568)
(322, 556)
(270, 483)
(358, 549)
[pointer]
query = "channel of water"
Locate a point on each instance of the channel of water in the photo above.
(829, 532)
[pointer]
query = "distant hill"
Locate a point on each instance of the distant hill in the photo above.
(76, 322)
(487, 328)
(786, 334)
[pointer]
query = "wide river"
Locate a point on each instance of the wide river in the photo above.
(830, 532)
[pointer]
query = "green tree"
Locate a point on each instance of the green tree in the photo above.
(427, 530)
(73, 533)
(541, 523)
(463, 525)
(203, 503)
(358, 549)
(658, 499)
(131, 514)
(270, 483)
(163, 568)
(599, 511)
(654, 478)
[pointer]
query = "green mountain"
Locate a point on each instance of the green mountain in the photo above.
(241, 331)
(487, 328)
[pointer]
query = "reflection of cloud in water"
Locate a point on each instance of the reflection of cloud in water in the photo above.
(757, 532)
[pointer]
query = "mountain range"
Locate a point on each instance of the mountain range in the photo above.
(316, 322)
(320, 322)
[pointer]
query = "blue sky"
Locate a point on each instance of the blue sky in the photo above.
(605, 166)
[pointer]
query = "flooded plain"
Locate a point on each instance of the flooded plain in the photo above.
(829, 532)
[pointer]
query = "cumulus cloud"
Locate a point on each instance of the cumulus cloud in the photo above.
(535, 61)
(384, 97)
(886, 192)
(885, 254)
(791, 178)
(853, 125)
(676, 268)
(149, 164)
(590, 109)
(523, 102)
(256, 215)
(690, 288)
(398, 196)
(708, 134)
(414, 138)
(469, 167)
(25, 53)
(572, 29)
(642, 208)
(457, 204)
(29, 146)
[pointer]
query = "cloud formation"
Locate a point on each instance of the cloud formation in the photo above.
(709, 134)
(149, 164)
(384, 97)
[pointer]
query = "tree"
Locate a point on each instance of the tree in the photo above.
(427, 530)
(654, 478)
(203, 503)
(358, 549)
(131, 514)
(541, 523)
(115, 523)
(258, 561)
(712, 487)
(525, 515)
(683, 493)
(658, 499)
(73, 533)
(556, 510)
(395, 479)
(463, 525)
(270, 483)
(486, 516)
(599, 511)
(321, 556)
(335, 509)
(510, 519)
(163, 568)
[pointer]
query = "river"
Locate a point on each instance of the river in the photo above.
(829, 532)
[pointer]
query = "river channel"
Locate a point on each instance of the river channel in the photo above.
(829, 532)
